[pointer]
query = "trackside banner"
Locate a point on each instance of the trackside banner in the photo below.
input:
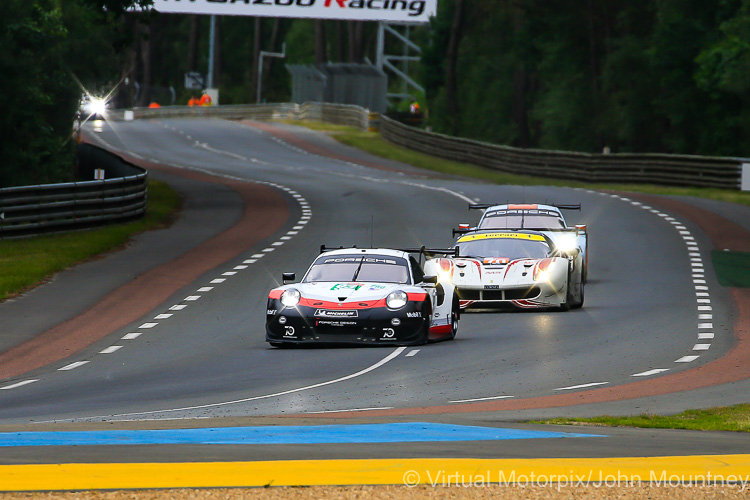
(410, 11)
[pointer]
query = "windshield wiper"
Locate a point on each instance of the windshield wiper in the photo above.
(359, 268)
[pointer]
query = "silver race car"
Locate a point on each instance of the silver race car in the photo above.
(362, 296)
(547, 219)
(524, 269)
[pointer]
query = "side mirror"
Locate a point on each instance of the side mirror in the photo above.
(287, 277)
(431, 280)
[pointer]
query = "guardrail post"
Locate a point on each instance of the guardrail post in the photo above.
(373, 122)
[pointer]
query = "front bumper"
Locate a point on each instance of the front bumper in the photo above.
(534, 296)
(375, 326)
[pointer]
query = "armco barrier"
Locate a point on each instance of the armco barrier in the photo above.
(338, 114)
(663, 169)
(27, 210)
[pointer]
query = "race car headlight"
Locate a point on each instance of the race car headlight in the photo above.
(445, 272)
(541, 271)
(290, 297)
(542, 276)
(396, 300)
(567, 243)
(96, 106)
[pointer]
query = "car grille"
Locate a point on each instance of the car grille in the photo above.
(499, 295)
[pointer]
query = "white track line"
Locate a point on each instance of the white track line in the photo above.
(377, 365)
(491, 398)
(582, 386)
(19, 384)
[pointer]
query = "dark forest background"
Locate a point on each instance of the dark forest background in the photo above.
(667, 76)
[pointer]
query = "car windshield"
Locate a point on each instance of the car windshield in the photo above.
(511, 248)
(520, 219)
(376, 268)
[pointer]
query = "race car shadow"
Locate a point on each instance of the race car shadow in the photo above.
(331, 345)
(507, 309)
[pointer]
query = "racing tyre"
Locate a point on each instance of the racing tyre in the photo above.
(455, 316)
(568, 297)
(578, 302)
(427, 314)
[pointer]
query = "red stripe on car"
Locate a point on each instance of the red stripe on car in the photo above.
(439, 331)
(365, 304)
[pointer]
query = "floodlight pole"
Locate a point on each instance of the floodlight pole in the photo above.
(383, 60)
(211, 43)
(281, 54)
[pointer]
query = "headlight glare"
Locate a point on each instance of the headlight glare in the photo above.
(541, 270)
(95, 106)
(567, 243)
(542, 276)
(290, 297)
(396, 300)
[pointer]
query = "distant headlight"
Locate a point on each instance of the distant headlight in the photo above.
(396, 300)
(95, 106)
(567, 243)
(290, 297)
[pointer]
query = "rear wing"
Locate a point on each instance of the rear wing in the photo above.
(423, 250)
(324, 248)
(561, 206)
(430, 252)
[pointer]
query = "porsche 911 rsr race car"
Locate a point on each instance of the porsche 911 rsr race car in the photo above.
(547, 219)
(363, 296)
(520, 268)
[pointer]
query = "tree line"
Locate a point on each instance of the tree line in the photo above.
(667, 76)
(50, 51)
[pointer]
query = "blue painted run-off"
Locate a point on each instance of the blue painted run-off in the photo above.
(312, 434)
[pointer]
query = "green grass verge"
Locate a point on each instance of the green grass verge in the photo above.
(724, 418)
(373, 143)
(732, 268)
(27, 262)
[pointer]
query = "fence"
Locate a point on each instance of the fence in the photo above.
(26, 210)
(344, 83)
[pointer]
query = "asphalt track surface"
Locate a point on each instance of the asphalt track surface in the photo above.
(168, 333)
